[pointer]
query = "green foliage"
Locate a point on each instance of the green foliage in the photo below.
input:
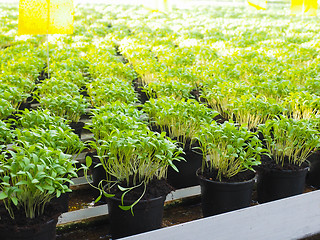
(56, 87)
(219, 95)
(67, 106)
(135, 157)
(230, 149)
(72, 68)
(25, 84)
(6, 134)
(115, 116)
(53, 137)
(181, 118)
(290, 138)
(142, 154)
(104, 63)
(12, 94)
(32, 176)
(108, 90)
(6, 109)
(40, 118)
(301, 105)
(168, 88)
(25, 63)
(250, 111)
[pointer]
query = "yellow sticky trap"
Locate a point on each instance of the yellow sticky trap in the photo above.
(296, 7)
(311, 7)
(45, 17)
(307, 7)
(258, 4)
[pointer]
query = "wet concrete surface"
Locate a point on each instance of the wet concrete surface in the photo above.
(82, 198)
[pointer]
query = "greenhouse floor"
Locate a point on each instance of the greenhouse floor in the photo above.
(176, 212)
(179, 212)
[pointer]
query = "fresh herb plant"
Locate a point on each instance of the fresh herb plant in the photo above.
(55, 87)
(6, 133)
(13, 94)
(181, 119)
(250, 111)
(115, 116)
(168, 88)
(31, 175)
(228, 149)
(108, 90)
(291, 139)
(52, 137)
(6, 109)
(41, 118)
(301, 105)
(67, 106)
(134, 158)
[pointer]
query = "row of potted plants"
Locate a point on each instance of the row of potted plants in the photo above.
(230, 156)
(172, 59)
(35, 171)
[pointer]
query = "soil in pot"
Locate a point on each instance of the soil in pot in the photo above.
(226, 195)
(277, 182)
(21, 228)
(148, 212)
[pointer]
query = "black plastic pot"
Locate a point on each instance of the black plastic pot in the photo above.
(62, 202)
(77, 127)
(98, 174)
(147, 216)
(24, 105)
(220, 197)
(45, 231)
(313, 176)
(186, 177)
(274, 184)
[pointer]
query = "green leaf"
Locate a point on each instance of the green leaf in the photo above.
(108, 195)
(125, 208)
(58, 193)
(14, 200)
(35, 181)
(23, 182)
(98, 198)
(3, 195)
(123, 189)
(88, 161)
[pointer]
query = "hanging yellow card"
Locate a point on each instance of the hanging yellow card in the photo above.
(306, 7)
(46, 17)
(296, 7)
(310, 7)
